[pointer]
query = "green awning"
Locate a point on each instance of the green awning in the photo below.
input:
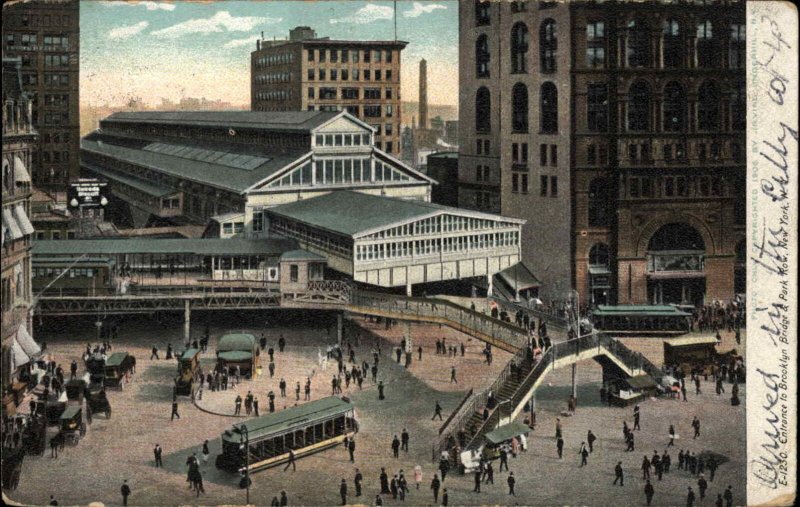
(116, 359)
(236, 341)
(235, 355)
(188, 354)
(289, 419)
(507, 432)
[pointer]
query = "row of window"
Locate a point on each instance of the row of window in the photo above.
(56, 119)
(275, 95)
(401, 249)
(349, 93)
(69, 273)
(548, 109)
(341, 140)
(302, 233)
(436, 225)
(341, 171)
(278, 59)
(56, 60)
(274, 77)
(351, 55)
(519, 154)
(520, 44)
(676, 152)
(50, 79)
(548, 185)
(34, 20)
(55, 156)
(26, 40)
(349, 74)
(233, 228)
(57, 100)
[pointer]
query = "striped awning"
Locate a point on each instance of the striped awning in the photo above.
(20, 171)
(23, 220)
(18, 356)
(11, 225)
(28, 344)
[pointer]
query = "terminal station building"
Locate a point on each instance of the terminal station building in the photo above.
(312, 176)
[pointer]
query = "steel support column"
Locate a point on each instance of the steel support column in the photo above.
(187, 321)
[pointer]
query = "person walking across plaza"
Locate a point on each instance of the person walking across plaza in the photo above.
(445, 498)
(291, 462)
(618, 475)
(649, 491)
(435, 484)
(645, 469)
(343, 491)
(590, 439)
(503, 459)
(453, 375)
(690, 498)
(671, 436)
(560, 447)
(584, 454)
(157, 454)
(396, 447)
(174, 411)
(437, 411)
(125, 490)
(636, 416)
(696, 426)
(702, 486)
(404, 437)
(357, 481)
(206, 452)
(511, 481)
(351, 449)
(237, 405)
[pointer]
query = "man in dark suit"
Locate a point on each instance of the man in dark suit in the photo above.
(157, 454)
(125, 490)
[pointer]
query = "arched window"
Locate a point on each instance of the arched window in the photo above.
(705, 44)
(676, 236)
(639, 107)
(672, 45)
(738, 43)
(519, 108)
(599, 255)
(482, 12)
(600, 202)
(482, 56)
(547, 45)
(638, 48)
(738, 108)
(7, 180)
(519, 48)
(483, 110)
(674, 108)
(708, 107)
(548, 108)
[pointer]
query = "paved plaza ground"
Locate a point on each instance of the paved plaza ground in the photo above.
(121, 447)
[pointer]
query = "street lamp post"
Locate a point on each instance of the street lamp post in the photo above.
(245, 446)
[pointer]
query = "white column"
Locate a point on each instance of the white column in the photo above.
(489, 283)
(408, 286)
(187, 322)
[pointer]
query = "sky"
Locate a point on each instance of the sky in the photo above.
(174, 49)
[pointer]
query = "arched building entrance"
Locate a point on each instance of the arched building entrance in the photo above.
(599, 274)
(676, 265)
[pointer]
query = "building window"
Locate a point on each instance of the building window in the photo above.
(322, 74)
(389, 53)
(674, 108)
(595, 44)
(482, 174)
(553, 155)
(519, 48)
(334, 74)
(548, 108)
(543, 186)
(389, 110)
(600, 202)
(258, 221)
(388, 74)
(597, 107)
(542, 155)
(705, 44)
(310, 54)
(672, 44)
(736, 50)
(591, 154)
(519, 108)
(639, 107)
(367, 75)
(334, 55)
(372, 111)
(482, 56)
(327, 93)
(293, 272)
(388, 129)
(708, 107)
(599, 255)
(310, 92)
(378, 75)
(483, 110)
(553, 186)
(638, 47)
(388, 93)
(310, 74)
(322, 55)
(482, 12)
(350, 93)
(547, 45)
(367, 56)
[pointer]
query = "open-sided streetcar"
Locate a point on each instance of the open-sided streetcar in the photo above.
(188, 363)
(306, 429)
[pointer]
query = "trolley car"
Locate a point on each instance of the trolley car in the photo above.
(306, 429)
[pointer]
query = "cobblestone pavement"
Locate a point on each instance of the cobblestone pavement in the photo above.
(121, 448)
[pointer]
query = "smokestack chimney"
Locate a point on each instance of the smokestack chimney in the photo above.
(423, 94)
(262, 34)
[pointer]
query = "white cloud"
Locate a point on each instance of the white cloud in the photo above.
(419, 9)
(237, 43)
(220, 22)
(367, 14)
(149, 5)
(123, 32)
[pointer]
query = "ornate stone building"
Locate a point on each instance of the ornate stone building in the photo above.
(658, 151)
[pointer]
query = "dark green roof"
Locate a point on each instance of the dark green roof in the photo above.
(236, 341)
(189, 353)
(116, 358)
(207, 173)
(638, 311)
(235, 355)
(301, 255)
(198, 246)
(507, 432)
(283, 121)
(149, 188)
(279, 422)
(353, 213)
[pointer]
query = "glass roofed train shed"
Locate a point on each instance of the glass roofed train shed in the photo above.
(393, 242)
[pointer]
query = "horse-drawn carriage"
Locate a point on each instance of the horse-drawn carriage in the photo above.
(97, 402)
(118, 368)
(71, 424)
(75, 388)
